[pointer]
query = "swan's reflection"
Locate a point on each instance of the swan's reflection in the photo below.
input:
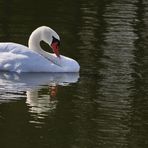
(41, 104)
(32, 83)
(27, 81)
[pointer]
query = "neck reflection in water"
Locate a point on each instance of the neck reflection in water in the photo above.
(41, 104)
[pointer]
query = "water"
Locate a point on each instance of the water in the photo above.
(106, 104)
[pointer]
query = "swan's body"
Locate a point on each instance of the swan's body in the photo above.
(19, 58)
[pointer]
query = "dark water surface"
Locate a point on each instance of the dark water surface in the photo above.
(106, 104)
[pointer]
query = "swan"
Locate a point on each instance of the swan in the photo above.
(19, 58)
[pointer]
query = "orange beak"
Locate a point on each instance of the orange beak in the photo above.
(55, 48)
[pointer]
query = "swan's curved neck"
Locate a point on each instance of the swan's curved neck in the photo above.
(34, 41)
(34, 44)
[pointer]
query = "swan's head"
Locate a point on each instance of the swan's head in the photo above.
(47, 35)
(52, 38)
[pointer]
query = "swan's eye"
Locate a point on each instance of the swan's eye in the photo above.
(54, 40)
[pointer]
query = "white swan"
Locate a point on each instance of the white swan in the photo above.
(19, 58)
